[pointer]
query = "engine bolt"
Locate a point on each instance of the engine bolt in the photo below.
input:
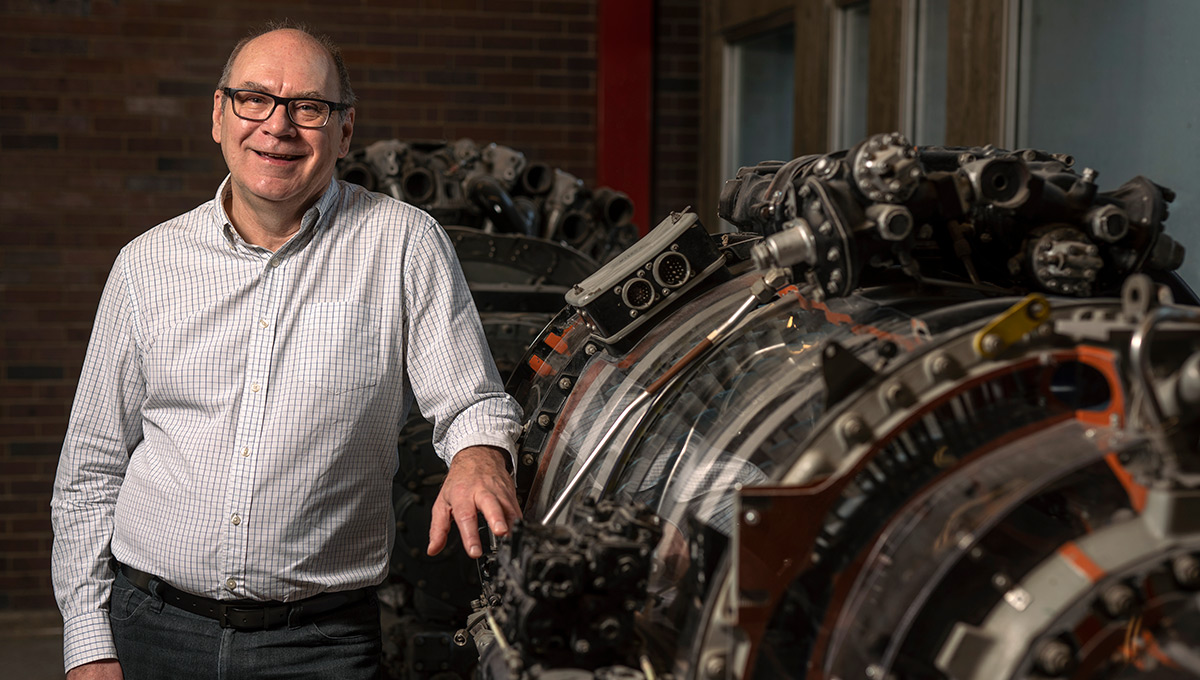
(544, 420)
(610, 629)
(714, 667)
(1186, 569)
(939, 366)
(853, 428)
(1118, 600)
(1054, 657)
(751, 517)
(897, 395)
(564, 384)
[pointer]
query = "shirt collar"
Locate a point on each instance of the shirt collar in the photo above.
(314, 216)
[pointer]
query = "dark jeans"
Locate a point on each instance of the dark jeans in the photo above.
(155, 640)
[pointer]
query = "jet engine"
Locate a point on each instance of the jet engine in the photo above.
(933, 414)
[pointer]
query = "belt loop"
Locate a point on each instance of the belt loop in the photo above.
(294, 613)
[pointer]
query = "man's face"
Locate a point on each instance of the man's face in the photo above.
(274, 165)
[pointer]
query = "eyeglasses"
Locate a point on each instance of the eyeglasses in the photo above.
(304, 112)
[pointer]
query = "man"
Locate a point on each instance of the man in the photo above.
(233, 437)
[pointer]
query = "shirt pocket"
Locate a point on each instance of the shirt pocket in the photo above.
(340, 347)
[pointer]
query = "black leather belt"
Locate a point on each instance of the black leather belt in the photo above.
(246, 614)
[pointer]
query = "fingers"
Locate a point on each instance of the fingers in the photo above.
(439, 527)
(469, 532)
(494, 512)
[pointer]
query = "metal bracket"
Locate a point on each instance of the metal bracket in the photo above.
(1014, 324)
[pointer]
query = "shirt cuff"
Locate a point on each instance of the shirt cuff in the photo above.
(480, 439)
(87, 637)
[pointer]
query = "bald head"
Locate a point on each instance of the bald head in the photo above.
(345, 94)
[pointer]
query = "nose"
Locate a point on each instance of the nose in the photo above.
(279, 124)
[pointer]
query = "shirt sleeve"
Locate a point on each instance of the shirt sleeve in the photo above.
(450, 366)
(104, 428)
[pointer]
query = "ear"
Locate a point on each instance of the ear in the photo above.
(347, 133)
(218, 112)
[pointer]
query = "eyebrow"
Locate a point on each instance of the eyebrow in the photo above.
(307, 94)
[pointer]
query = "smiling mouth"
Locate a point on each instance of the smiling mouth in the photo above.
(277, 156)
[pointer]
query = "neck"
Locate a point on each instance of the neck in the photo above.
(269, 225)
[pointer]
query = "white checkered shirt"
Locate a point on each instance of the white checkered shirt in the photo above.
(235, 426)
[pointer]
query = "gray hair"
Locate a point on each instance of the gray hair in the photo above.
(346, 95)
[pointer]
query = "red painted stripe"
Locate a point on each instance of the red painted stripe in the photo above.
(624, 110)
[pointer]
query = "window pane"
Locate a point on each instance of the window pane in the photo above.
(1113, 83)
(930, 96)
(853, 46)
(759, 99)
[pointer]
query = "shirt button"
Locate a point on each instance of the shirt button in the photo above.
(254, 387)
(274, 262)
(230, 583)
(263, 323)
(236, 520)
(245, 453)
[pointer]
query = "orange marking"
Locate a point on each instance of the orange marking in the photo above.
(1135, 491)
(540, 367)
(555, 343)
(1104, 361)
(1082, 563)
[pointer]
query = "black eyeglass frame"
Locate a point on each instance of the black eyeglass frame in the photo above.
(334, 107)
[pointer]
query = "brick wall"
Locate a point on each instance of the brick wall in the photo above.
(676, 126)
(104, 132)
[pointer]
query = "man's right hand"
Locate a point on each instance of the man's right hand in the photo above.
(104, 669)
